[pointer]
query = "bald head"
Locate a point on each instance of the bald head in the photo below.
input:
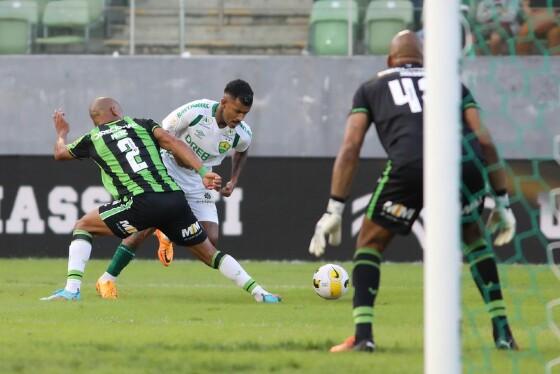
(405, 48)
(104, 109)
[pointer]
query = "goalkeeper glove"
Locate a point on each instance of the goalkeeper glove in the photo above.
(329, 224)
(502, 220)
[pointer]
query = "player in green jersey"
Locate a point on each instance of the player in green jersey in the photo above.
(128, 153)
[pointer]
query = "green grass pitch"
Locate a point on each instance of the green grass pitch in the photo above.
(188, 319)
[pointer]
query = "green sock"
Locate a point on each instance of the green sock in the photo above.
(123, 255)
(365, 278)
(484, 271)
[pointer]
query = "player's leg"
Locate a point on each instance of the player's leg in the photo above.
(78, 254)
(393, 208)
(482, 262)
(106, 285)
(231, 269)
(480, 255)
(212, 230)
(165, 246)
(196, 240)
(202, 203)
(372, 242)
(141, 215)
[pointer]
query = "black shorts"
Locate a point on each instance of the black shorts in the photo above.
(167, 211)
(399, 196)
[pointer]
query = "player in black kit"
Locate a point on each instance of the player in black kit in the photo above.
(393, 100)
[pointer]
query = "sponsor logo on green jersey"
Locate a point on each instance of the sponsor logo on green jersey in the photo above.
(111, 130)
(119, 134)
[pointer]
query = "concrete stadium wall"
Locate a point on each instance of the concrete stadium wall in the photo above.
(300, 106)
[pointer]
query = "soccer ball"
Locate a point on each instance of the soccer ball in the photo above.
(330, 281)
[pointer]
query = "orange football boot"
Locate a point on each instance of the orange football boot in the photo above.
(106, 289)
(165, 250)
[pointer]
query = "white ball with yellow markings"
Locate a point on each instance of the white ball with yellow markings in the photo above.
(331, 281)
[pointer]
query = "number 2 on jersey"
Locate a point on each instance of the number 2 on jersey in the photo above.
(407, 94)
(127, 145)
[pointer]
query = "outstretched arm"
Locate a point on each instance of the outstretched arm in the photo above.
(501, 219)
(344, 170)
(497, 173)
(186, 156)
(62, 129)
(237, 164)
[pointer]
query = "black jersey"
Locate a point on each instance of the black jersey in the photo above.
(128, 155)
(394, 101)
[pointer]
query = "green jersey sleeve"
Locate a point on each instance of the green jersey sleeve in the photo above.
(148, 124)
(80, 148)
(360, 102)
(468, 100)
(243, 137)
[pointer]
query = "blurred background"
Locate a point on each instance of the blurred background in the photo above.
(263, 27)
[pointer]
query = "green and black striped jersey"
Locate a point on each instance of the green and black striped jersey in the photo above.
(128, 155)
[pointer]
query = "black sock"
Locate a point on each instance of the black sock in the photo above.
(365, 278)
(484, 271)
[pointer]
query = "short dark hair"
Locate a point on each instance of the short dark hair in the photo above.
(239, 89)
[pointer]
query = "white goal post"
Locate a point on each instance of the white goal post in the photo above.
(442, 152)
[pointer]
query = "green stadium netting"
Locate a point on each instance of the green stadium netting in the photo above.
(529, 267)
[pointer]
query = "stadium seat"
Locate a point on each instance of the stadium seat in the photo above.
(362, 7)
(384, 18)
(66, 14)
(27, 10)
(329, 26)
(14, 36)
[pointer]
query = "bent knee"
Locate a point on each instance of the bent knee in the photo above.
(213, 239)
(134, 240)
(379, 245)
(373, 235)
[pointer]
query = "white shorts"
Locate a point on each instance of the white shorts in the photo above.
(201, 200)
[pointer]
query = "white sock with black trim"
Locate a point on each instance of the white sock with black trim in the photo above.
(78, 256)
